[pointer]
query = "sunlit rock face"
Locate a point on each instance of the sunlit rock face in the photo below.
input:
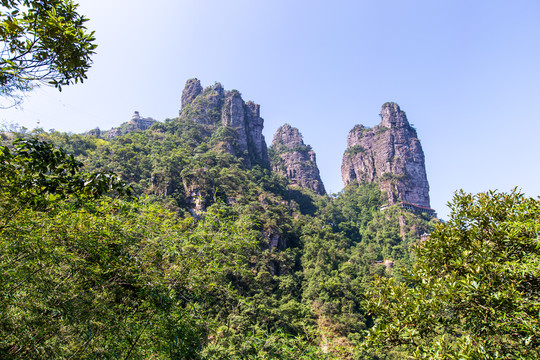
(240, 122)
(389, 154)
(295, 160)
(192, 89)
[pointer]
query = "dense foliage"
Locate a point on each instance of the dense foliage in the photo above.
(294, 292)
(35, 169)
(43, 42)
(85, 277)
(474, 290)
(212, 259)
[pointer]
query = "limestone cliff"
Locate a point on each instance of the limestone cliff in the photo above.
(295, 160)
(389, 154)
(226, 111)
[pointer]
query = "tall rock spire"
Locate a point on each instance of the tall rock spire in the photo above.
(192, 89)
(295, 160)
(389, 154)
(214, 107)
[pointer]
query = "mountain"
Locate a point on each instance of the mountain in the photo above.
(230, 250)
(293, 159)
(263, 255)
(391, 156)
(136, 123)
(215, 108)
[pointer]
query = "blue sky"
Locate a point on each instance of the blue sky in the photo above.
(465, 72)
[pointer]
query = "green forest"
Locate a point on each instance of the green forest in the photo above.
(103, 257)
(161, 244)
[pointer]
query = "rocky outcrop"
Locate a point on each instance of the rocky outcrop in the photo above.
(254, 128)
(192, 89)
(136, 123)
(295, 160)
(233, 115)
(205, 107)
(389, 154)
(216, 108)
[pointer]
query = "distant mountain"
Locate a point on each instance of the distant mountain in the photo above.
(136, 123)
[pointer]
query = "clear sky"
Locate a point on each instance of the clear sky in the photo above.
(465, 72)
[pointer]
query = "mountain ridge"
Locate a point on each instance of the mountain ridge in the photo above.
(389, 154)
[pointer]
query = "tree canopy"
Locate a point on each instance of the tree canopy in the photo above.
(85, 275)
(35, 173)
(277, 273)
(43, 42)
(271, 272)
(474, 291)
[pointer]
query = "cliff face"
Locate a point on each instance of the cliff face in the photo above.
(216, 108)
(295, 160)
(389, 154)
(192, 89)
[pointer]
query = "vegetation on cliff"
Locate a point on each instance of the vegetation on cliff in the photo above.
(189, 253)
(178, 242)
(290, 266)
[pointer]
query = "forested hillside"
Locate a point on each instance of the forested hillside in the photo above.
(284, 269)
(190, 238)
(179, 242)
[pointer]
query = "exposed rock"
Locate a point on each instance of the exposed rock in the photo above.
(233, 114)
(295, 160)
(389, 154)
(254, 128)
(216, 108)
(136, 123)
(114, 132)
(196, 185)
(191, 91)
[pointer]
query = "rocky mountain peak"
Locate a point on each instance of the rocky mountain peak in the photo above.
(390, 155)
(287, 136)
(192, 89)
(214, 108)
(393, 116)
(295, 160)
